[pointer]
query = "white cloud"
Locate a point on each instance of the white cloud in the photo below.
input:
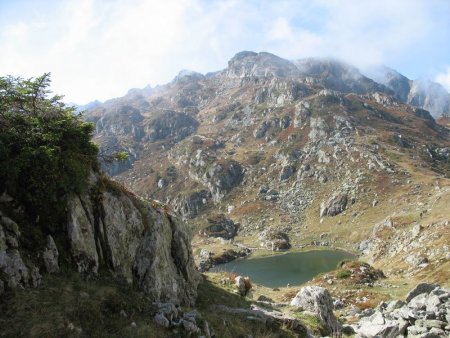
(100, 49)
(444, 78)
(281, 30)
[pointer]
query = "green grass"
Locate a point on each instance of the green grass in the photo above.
(66, 306)
(313, 323)
(343, 274)
(211, 292)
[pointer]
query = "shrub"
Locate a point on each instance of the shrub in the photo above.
(342, 274)
(342, 263)
(46, 152)
(248, 283)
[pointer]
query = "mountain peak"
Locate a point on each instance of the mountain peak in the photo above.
(337, 75)
(263, 64)
(421, 93)
(187, 75)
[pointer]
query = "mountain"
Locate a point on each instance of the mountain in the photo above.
(265, 155)
(90, 105)
(421, 93)
(280, 154)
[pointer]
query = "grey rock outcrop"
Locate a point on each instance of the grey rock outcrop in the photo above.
(169, 315)
(221, 226)
(170, 124)
(141, 243)
(425, 314)
(240, 284)
(422, 288)
(50, 256)
(318, 301)
(378, 326)
(334, 206)
(189, 206)
(286, 172)
(251, 64)
(14, 272)
(272, 318)
(219, 176)
(275, 239)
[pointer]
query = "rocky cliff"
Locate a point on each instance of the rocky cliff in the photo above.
(108, 230)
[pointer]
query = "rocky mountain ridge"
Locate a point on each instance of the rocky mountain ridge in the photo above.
(266, 155)
(421, 93)
(310, 150)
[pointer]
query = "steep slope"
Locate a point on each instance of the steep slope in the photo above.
(310, 152)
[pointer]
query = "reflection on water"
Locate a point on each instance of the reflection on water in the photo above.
(294, 268)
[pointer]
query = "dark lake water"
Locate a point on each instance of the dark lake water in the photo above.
(279, 270)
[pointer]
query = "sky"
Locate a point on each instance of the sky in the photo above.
(99, 49)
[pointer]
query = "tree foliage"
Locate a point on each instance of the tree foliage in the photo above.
(46, 152)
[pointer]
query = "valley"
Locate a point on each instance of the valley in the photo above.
(279, 155)
(272, 198)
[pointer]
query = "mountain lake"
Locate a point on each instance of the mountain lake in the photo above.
(294, 268)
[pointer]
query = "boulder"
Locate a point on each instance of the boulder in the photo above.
(14, 272)
(162, 183)
(221, 226)
(418, 302)
(334, 206)
(420, 288)
(261, 130)
(161, 320)
(275, 239)
(286, 172)
(422, 316)
(378, 326)
(240, 284)
(318, 301)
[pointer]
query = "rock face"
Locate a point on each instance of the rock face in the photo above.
(221, 226)
(275, 239)
(425, 314)
(317, 300)
(50, 256)
(223, 178)
(248, 64)
(170, 124)
(111, 229)
(189, 206)
(219, 176)
(205, 260)
(334, 206)
(14, 272)
(145, 245)
(422, 288)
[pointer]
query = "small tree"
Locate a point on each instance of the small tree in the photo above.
(46, 152)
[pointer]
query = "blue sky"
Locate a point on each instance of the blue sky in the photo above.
(98, 49)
